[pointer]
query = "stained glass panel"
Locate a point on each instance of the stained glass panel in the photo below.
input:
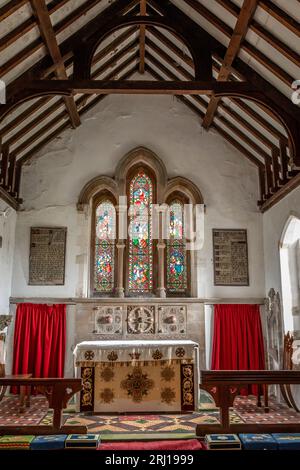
(104, 248)
(176, 251)
(140, 231)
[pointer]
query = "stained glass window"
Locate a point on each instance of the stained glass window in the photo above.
(176, 250)
(140, 231)
(104, 247)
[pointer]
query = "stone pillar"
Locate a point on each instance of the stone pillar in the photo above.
(120, 291)
(161, 290)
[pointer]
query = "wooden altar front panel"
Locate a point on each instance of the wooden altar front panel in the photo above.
(148, 376)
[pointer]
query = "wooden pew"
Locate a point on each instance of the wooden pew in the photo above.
(58, 392)
(225, 386)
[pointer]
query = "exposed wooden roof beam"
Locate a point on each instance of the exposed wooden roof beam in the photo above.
(28, 25)
(261, 58)
(230, 112)
(47, 32)
(281, 16)
(203, 103)
(253, 159)
(188, 61)
(10, 8)
(6, 197)
(62, 116)
(42, 101)
(37, 44)
(26, 157)
(135, 87)
(263, 33)
(143, 12)
(239, 33)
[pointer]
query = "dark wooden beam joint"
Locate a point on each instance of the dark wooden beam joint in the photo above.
(193, 38)
(41, 13)
(238, 35)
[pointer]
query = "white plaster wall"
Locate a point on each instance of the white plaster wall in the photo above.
(7, 232)
(52, 183)
(274, 221)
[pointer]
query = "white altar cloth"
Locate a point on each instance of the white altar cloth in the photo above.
(138, 375)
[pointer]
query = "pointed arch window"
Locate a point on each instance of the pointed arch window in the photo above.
(104, 234)
(140, 248)
(176, 254)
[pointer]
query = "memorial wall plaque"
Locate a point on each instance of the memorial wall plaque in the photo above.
(47, 256)
(230, 257)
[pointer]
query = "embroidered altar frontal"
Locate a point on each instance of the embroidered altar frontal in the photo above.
(137, 376)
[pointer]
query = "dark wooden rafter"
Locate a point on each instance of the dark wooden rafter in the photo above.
(197, 99)
(263, 33)
(265, 124)
(239, 33)
(45, 65)
(143, 11)
(281, 16)
(231, 140)
(131, 46)
(47, 32)
(123, 76)
(16, 33)
(63, 116)
(187, 76)
(115, 44)
(135, 87)
(252, 51)
(10, 7)
(37, 44)
(271, 160)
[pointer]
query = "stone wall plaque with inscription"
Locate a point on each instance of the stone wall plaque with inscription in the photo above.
(230, 251)
(47, 256)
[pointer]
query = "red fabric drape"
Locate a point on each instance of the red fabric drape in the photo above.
(40, 340)
(238, 340)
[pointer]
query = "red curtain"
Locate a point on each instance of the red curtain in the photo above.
(238, 340)
(40, 340)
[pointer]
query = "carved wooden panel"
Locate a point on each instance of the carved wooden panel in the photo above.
(172, 319)
(230, 250)
(140, 319)
(108, 320)
(47, 256)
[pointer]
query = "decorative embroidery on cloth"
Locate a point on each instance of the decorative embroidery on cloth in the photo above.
(137, 384)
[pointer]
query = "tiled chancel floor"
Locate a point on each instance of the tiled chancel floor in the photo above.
(245, 410)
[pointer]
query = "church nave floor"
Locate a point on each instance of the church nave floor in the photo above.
(142, 426)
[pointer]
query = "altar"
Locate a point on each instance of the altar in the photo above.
(138, 376)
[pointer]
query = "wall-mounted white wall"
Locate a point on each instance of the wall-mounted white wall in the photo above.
(274, 224)
(51, 185)
(8, 219)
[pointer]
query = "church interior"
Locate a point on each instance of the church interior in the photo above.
(149, 224)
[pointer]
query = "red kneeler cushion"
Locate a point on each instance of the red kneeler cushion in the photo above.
(188, 444)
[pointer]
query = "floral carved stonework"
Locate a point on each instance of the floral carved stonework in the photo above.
(137, 384)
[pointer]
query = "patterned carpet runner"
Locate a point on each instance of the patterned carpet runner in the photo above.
(144, 427)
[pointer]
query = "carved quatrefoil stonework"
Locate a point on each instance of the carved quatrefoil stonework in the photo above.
(141, 319)
(108, 320)
(172, 320)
